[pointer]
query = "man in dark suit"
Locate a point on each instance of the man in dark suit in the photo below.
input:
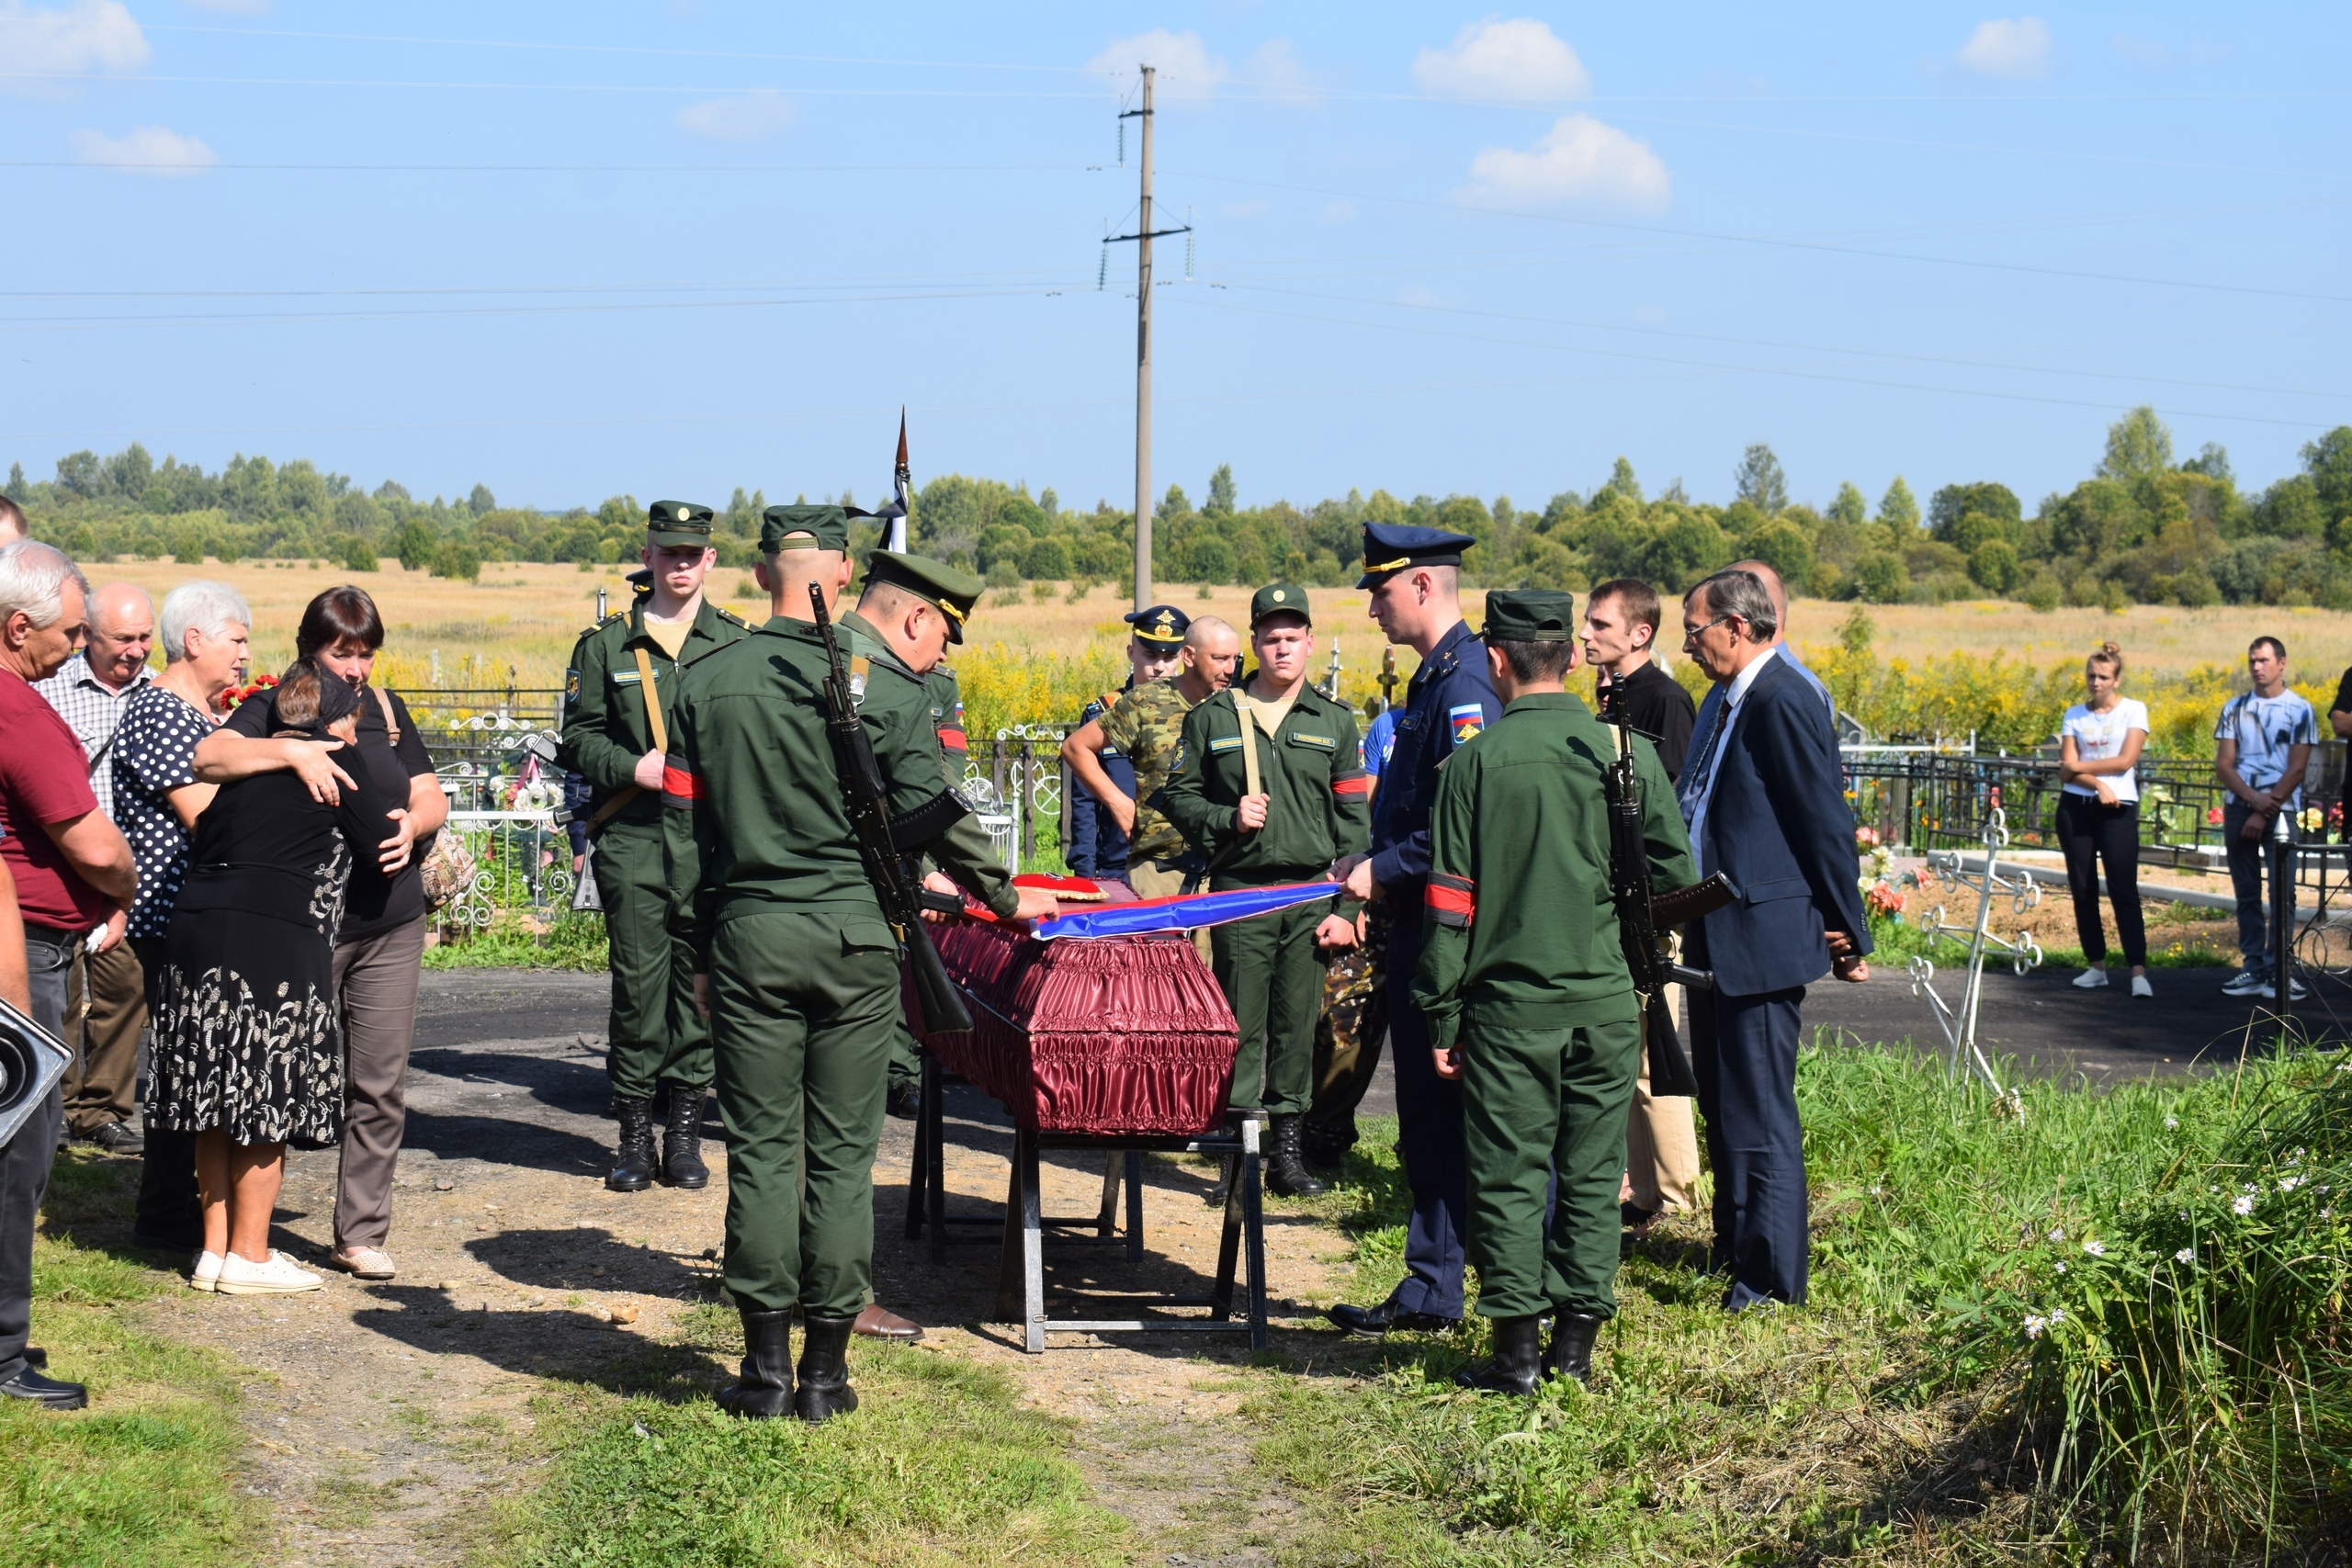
(1767, 808)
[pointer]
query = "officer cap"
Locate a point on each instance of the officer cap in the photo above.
(1279, 598)
(1160, 625)
(1392, 546)
(804, 525)
(1531, 614)
(950, 591)
(677, 523)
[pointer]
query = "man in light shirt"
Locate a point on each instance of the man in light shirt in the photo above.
(2261, 748)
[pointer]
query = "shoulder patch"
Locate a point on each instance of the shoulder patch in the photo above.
(1467, 720)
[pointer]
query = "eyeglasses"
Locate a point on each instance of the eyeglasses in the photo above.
(1690, 636)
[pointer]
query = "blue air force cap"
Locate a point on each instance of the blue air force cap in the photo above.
(1160, 625)
(1392, 547)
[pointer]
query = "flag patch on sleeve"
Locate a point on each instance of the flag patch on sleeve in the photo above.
(1468, 720)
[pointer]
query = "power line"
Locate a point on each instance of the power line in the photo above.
(564, 168)
(652, 89)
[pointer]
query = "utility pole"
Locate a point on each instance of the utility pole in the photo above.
(1143, 236)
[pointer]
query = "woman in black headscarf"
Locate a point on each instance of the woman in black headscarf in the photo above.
(248, 1055)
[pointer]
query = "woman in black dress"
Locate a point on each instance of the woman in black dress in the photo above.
(248, 1053)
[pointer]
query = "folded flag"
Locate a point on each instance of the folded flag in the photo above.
(1152, 917)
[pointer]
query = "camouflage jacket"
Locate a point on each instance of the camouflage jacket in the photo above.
(1146, 726)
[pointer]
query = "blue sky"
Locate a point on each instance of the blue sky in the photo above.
(668, 249)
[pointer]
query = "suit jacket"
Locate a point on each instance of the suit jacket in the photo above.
(1779, 827)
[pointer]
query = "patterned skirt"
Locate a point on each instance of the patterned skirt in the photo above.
(246, 1032)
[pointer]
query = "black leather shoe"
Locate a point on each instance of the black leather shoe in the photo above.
(116, 1138)
(904, 1101)
(1570, 1355)
(1516, 1364)
(1371, 1322)
(37, 1388)
(765, 1390)
(682, 1163)
(1286, 1172)
(633, 1171)
(824, 1368)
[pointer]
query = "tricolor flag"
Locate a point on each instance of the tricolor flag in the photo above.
(1154, 916)
(895, 512)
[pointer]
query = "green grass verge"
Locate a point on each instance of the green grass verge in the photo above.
(573, 942)
(939, 1465)
(144, 1476)
(1908, 1412)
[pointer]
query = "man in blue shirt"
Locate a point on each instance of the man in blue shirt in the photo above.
(2262, 746)
(1414, 578)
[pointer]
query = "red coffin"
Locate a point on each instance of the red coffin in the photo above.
(1114, 1037)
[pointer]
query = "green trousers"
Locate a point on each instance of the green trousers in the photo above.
(803, 1007)
(1533, 1101)
(1273, 977)
(655, 1035)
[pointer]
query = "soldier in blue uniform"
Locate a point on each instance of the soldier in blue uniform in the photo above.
(1097, 846)
(1413, 575)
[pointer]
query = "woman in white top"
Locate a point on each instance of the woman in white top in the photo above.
(2099, 815)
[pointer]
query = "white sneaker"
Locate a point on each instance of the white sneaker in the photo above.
(2140, 986)
(281, 1276)
(2245, 983)
(205, 1273)
(2296, 991)
(2091, 980)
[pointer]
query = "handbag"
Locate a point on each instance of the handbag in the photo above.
(449, 866)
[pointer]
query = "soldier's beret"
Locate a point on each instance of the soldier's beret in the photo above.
(1163, 625)
(804, 525)
(1277, 598)
(1531, 614)
(950, 590)
(1392, 547)
(677, 523)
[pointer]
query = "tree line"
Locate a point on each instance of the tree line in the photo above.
(2145, 526)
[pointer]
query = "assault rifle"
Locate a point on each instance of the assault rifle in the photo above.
(867, 804)
(1642, 916)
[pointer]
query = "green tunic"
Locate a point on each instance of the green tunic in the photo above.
(1268, 965)
(768, 889)
(1524, 969)
(1147, 727)
(654, 1033)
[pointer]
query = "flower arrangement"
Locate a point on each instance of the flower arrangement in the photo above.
(236, 695)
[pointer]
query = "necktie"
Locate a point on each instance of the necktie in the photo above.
(1693, 783)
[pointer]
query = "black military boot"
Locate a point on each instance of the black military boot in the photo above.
(1287, 1175)
(633, 1171)
(1570, 1355)
(824, 1368)
(766, 1392)
(1518, 1346)
(682, 1163)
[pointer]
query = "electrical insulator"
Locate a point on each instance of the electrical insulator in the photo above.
(1102, 268)
(1123, 143)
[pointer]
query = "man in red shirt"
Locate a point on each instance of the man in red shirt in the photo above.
(73, 876)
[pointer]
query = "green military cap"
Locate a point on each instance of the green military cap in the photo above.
(1277, 598)
(804, 525)
(947, 589)
(1531, 614)
(677, 523)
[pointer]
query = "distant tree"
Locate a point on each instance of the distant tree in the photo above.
(129, 470)
(1781, 545)
(79, 474)
(1880, 578)
(2212, 460)
(1675, 492)
(458, 559)
(2138, 446)
(356, 554)
(16, 486)
(1993, 567)
(1048, 560)
(1759, 481)
(1221, 495)
(301, 489)
(1966, 515)
(1622, 480)
(1209, 558)
(1898, 512)
(1176, 504)
(392, 490)
(2329, 461)
(414, 543)
(1048, 502)
(481, 501)
(1850, 508)
(249, 487)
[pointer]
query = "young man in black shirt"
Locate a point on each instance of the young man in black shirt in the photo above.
(1620, 626)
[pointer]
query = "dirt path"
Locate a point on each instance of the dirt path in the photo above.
(375, 1408)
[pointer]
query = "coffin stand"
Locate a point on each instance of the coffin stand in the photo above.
(1117, 1046)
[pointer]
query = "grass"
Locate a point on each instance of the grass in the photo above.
(1910, 1411)
(145, 1475)
(939, 1465)
(571, 942)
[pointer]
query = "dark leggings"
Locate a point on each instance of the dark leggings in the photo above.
(2089, 833)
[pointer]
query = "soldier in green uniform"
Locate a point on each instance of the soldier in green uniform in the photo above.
(905, 1097)
(624, 671)
(1529, 1002)
(797, 969)
(1272, 788)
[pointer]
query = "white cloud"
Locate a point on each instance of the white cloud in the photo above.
(87, 36)
(1578, 159)
(753, 116)
(2016, 48)
(1499, 59)
(149, 149)
(1187, 71)
(1274, 69)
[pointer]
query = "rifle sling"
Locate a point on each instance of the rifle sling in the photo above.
(654, 726)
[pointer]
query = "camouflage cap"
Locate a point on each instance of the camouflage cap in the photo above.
(1160, 625)
(1531, 614)
(804, 525)
(677, 523)
(1278, 599)
(950, 590)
